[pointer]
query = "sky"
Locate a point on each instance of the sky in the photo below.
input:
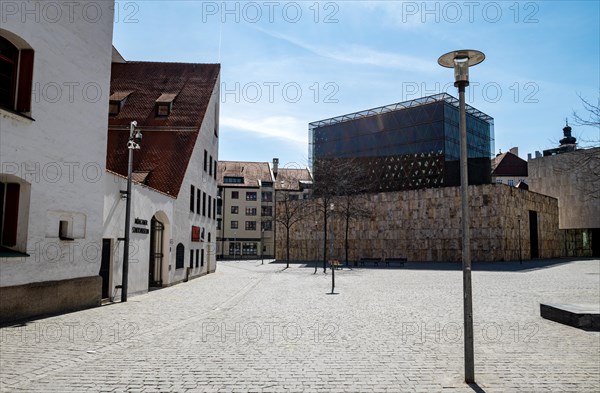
(288, 63)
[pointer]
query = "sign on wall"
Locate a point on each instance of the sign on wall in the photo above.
(139, 221)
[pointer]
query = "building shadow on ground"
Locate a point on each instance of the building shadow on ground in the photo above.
(508, 266)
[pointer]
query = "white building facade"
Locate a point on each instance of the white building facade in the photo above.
(53, 100)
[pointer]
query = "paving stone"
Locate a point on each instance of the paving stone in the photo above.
(259, 328)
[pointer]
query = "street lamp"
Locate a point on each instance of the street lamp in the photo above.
(222, 202)
(519, 236)
(332, 208)
(262, 255)
(461, 60)
(317, 247)
(135, 138)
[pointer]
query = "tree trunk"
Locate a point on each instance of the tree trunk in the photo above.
(346, 238)
(325, 241)
(287, 244)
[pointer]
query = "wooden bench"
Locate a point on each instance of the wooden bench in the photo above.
(374, 260)
(393, 260)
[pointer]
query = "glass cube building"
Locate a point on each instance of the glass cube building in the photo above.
(409, 145)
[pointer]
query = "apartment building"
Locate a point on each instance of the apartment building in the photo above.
(245, 210)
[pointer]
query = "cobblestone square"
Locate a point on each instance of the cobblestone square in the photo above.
(263, 328)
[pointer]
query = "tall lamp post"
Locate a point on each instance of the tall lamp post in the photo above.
(520, 255)
(262, 255)
(461, 60)
(318, 246)
(332, 207)
(135, 138)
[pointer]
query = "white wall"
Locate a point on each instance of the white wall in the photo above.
(145, 203)
(195, 175)
(62, 153)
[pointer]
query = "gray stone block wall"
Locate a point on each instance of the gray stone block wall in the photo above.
(572, 179)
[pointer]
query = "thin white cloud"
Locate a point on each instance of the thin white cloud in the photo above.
(281, 127)
(397, 14)
(358, 54)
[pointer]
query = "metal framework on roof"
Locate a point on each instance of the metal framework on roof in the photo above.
(401, 105)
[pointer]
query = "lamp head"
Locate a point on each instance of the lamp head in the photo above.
(137, 137)
(461, 60)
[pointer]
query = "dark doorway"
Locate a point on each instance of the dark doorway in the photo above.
(156, 253)
(105, 267)
(596, 242)
(533, 234)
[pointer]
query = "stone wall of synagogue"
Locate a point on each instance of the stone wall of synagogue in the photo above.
(425, 225)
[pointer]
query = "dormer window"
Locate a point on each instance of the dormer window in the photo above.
(233, 180)
(116, 102)
(164, 104)
(114, 107)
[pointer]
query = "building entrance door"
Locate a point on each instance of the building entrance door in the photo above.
(105, 267)
(533, 234)
(156, 253)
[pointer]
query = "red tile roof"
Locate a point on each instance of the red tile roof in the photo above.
(164, 155)
(192, 83)
(508, 164)
(168, 142)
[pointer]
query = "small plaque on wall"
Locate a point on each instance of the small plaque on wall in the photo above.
(140, 221)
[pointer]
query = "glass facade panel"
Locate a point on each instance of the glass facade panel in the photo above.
(409, 145)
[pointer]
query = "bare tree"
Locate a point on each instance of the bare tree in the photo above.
(335, 178)
(352, 208)
(585, 164)
(289, 211)
(593, 114)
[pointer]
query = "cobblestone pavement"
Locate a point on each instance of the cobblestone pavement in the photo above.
(262, 328)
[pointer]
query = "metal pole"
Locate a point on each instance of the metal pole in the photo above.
(520, 255)
(331, 255)
(127, 214)
(224, 190)
(318, 247)
(466, 240)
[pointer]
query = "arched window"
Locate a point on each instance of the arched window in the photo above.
(16, 73)
(179, 256)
